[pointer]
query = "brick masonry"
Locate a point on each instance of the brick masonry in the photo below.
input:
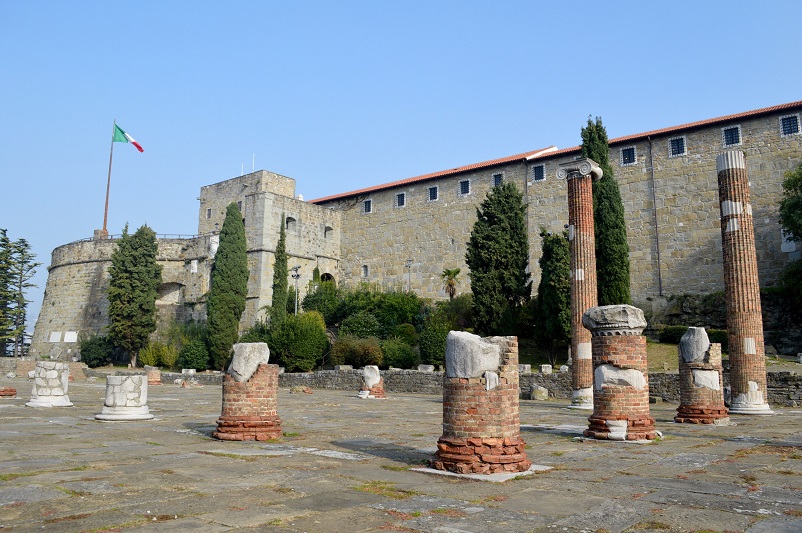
(701, 404)
(250, 408)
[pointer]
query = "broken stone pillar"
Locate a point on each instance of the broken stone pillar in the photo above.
(481, 425)
(250, 396)
(372, 383)
(701, 387)
(621, 380)
(580, 175)
(154, 374)
(741, 288)
(126, 399)
(50, 383)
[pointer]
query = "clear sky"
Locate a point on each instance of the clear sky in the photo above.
(343, 95)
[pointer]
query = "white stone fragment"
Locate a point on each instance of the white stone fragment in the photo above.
(564, 369)
(470, 356)
(491, 380)
(693, 345)
(247, 358)
(524, 369)
(546, 369)
(749, 346)
(580, 274)
(728, 207)
(584, 350)
(539, 393)
(613, 376)
(618, 429)
(371, 376)
(706, 378)
(732, 225)
(426, 368)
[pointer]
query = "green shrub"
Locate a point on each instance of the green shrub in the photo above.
(399, 354)
(96, 351)
(361, 324)
(356, 352)
(150, 354)
(719, 336)
(405, 332)
(300, 342)
(326, 300)
(194, 355)
(395, 308)
(672, 334)
(433, 341)
(259, 332)
(458, 312)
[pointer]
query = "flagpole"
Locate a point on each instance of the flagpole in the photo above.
(108, 181)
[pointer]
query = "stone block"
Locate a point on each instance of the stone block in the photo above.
(247, 358)
(693, 345)
(545, 369)
(371, 376)
(539, 393)
(524, 369)
(470, 356)
(430, 368)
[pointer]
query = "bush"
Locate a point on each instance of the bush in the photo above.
(96, 351)
(194, 355)
(326, 300)
(259, 332)
(405, 332)
(458, 311)
(399, 354)
(673, 334)
(356, 352)
(361, 324)
(157, 353)
(719, 336)
(433, 341)
(395, 308)
(300, 341)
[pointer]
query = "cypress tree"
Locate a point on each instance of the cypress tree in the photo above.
(229, 287)
(612, 249)
(554, 294)
(498, 254)
(278, 307)
(134, 279)
(6, 322)
(23, 268)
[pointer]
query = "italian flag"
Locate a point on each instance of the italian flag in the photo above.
(121, 137)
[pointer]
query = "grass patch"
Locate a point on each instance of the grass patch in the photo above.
(249, 458)
(452, 513)
(17, 475)
(291, 434)
(651, 525)
(661, 356)
(67, 518)
(386, 489)
(153, 443)
(396, 468)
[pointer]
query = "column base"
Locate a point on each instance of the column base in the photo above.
(476, 455)
(121, 414)
(632, 429)
(738, 408)
(53, 401)
(582, 399)
(701, 415)
(248, 428)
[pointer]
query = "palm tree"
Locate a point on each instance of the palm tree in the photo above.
(450, 281)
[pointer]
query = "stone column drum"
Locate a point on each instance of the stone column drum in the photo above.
(126, 399)
(741, 288)
(250, 396)
(50, 383)
(580, 175)
(700, 380)
(621, 381)
(372, 383)
(481, 425)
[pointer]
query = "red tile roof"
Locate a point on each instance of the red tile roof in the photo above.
(553, 151)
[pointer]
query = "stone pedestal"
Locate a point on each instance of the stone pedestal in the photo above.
(126, 399)
(621, 381)
(372, 383)
(154, 374)
(50, 383)
(481, 425)
(741, 289)
(580, 175)
(250, 396)
(700, 380)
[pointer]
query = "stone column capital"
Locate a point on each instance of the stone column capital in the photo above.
(614, 320)
(580, 168)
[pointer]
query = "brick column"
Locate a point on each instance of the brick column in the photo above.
(154, 374)
(621, 390)
(250, 408)
(741, 288)
(701, 387)
(580, 175)
(481, 424)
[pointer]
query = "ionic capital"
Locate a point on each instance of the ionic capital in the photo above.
(580, 168)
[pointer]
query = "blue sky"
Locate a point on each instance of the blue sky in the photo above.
(343, 95)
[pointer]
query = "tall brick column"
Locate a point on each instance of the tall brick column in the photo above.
(481, 424)
(741, 288)
(700, 381)
(580, 175)
(621, 381)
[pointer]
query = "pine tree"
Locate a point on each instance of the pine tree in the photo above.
(134, 279)
(791, 222)
(229, 287)
(278, 308)
(553, 328)
(23, 268)
(612, 249)
(498, 254)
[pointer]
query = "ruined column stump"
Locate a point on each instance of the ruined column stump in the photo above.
(621, 381)
(372, 383)
(481, 425)
(741, 289)
(154, 374)
(8, 392)
(700, 380)
(50, 383)
(250, 396)
(580, 175)
(126, 399)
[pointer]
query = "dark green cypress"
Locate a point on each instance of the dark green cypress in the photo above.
(612, 249)
(278, 307)
(134, 279)
(553, 327)
(229, 287)
(498, 254)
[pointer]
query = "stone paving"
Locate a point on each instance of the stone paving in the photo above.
(345, 464)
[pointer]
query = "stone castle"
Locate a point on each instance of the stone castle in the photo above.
(401, 235)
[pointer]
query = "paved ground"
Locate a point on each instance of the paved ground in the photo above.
(344, 466)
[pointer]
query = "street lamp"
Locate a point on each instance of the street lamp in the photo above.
(295, 276)
(408, 266)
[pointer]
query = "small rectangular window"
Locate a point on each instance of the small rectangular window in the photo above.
(365, 271)
(465, 187)
(498, 179)
(208, 213)
(538, 172)
(731, 136)
(400, 199)
(367, 206)
(789, 125)
(628, 156)
(676, 146)
(433, 194)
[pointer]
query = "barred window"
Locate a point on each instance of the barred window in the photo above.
(538, 172)
(789, 125)
(498, 179)
(628, 156)
(400, 199)
(676, 146)
(465, 187)
(433, 194)
(367, 206)
(731, 136)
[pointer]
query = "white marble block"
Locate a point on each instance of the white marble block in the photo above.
(126, 398)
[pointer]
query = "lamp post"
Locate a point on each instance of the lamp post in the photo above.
(295, 276)
(408, 266)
